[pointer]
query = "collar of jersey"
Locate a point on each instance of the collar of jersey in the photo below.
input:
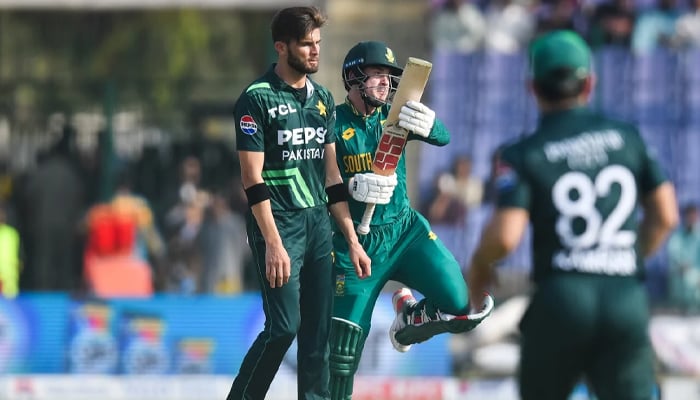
(278, 84)
(358, 113)
(559, 114)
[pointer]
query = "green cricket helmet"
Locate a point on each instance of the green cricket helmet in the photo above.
(369, 53)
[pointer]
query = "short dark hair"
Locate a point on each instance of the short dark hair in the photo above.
(560, 84)
(294, 23)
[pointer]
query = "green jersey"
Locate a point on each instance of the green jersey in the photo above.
(291, 127)
(358, 139)
(580, 176)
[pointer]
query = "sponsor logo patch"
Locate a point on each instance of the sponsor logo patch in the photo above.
(248, 125)
(506, 178)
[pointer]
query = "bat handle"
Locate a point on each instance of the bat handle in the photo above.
(363, 227)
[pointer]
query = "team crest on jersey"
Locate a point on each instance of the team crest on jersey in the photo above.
(321, 108)
(340, 285)
(348, 133)
(248, 125)
(506, 178)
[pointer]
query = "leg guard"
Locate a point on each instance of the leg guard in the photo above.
(345, 348)
(421, 326)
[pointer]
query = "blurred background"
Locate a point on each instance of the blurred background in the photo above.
(123, 261)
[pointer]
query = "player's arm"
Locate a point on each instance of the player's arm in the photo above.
(338, 206)
(660, 218)
(277, 263)
(500, 237)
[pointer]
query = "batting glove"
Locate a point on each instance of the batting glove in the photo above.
(417, 118)
(372, 188)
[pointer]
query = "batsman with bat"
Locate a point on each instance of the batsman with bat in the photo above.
(400, 242)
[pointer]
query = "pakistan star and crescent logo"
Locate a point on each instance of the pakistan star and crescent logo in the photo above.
(389, 55)
(321, 108)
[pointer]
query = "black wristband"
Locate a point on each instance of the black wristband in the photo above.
(257, 193)
(337, 193)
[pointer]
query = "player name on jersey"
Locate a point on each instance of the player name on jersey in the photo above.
(605, 261)
(587, 150)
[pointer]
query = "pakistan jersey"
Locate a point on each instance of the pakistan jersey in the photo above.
(291, 128)
(359, 137)
(580, 176)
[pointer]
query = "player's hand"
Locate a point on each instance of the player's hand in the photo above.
(277, 265)
(372, 188)
(417, 118)
(361, 261)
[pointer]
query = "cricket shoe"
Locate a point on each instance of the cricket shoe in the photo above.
(420, 326)
(402, 301)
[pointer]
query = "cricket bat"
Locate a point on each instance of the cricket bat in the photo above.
(391, 143)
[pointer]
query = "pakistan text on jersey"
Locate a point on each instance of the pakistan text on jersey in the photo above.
(354, 163)
(586, 150)
(303, 154)
(597, 261)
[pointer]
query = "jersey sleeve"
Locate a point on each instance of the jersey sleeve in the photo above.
(652, 174)
(439, 135)
(511, 187)
(250, 127)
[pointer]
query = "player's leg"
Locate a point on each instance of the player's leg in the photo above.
(557, 330)
(352, 310)
(316, 306)
(425, 264)
(346, 344)
(623, 368)
(282, 320)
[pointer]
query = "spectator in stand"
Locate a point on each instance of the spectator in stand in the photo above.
(684, 262)
(612, 24)
(655, 27)
(10, 256)
(54, 203)
(510, 25)
(687, 33)
(224, 248)
(458, 191)
(458, 26)
(560, 14)
(183, 223)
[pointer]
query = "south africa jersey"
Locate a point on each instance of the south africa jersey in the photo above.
(270, 118)
(580, 176)
(358, 137)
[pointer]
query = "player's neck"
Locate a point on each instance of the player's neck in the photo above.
(290, 76)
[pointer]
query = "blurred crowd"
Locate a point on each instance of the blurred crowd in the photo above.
(172, 221)
(509, 25)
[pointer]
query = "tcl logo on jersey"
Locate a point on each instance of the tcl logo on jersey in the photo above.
(282, 109)
(301, 136)
(248, 125)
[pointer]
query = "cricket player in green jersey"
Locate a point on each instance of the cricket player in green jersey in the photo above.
(579, 178)
(400, 242)
(285, 141)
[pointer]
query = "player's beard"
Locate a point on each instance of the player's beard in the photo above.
(298, 64)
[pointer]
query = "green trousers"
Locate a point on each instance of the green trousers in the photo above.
(587, 326)
(301, 308)
(407, 252)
